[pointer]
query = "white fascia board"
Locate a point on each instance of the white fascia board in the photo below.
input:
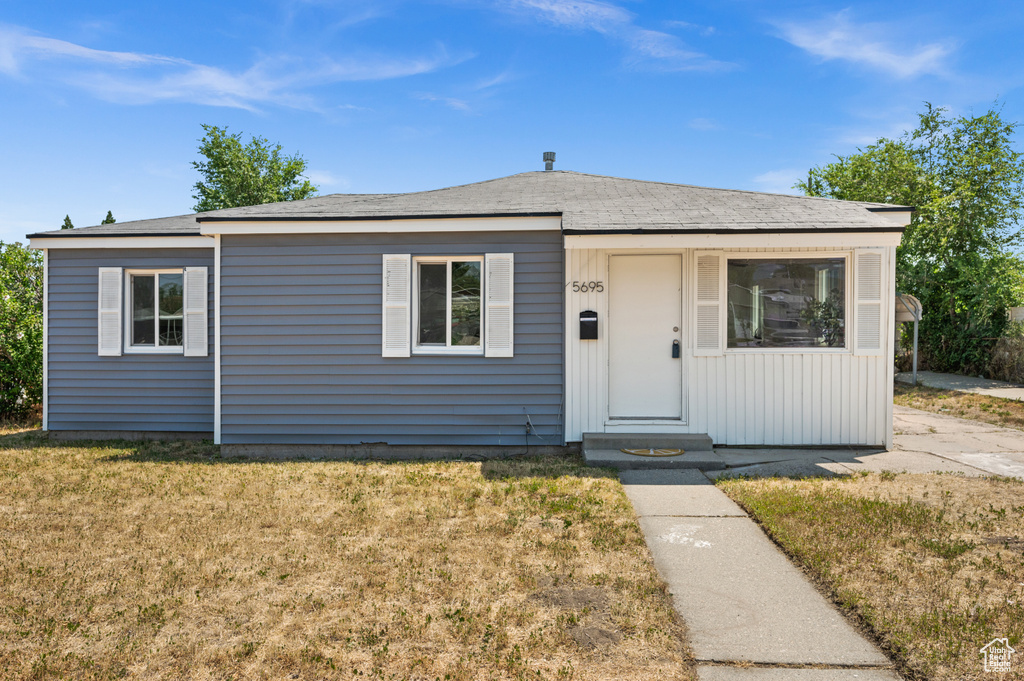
(416, 225)
(826, 240)
(900, 218)
(122, 242)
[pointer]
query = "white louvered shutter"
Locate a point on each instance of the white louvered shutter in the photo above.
(708, 320)
(867, 289)
(397, 291)
(498, 331)
(196, 329)
(109, 323)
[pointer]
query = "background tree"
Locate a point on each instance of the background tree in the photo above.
(960, 254)
(249, 175)
(67, 223)
(21, 330)
(109, 220)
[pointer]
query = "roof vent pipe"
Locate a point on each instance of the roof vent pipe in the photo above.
(549, 160)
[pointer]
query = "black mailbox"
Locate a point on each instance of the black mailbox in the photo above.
(588, 325)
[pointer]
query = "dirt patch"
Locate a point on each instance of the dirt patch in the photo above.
(595, 637)
(590, 598)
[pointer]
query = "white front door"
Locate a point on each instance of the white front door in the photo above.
(644, 321)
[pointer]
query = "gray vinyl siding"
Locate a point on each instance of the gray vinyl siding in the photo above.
(133, 392)
(301, 346)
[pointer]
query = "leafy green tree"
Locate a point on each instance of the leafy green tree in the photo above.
(109, 220)
(21, 330)
(234, 174)
(67, 223)
(960, 253)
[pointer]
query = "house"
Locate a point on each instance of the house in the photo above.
(529, 309)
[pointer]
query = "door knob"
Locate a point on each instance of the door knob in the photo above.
(675, 349)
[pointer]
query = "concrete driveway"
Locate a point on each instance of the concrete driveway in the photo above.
(990, 449)
(923, 443)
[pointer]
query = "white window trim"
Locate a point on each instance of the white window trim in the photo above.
(448, 348)
(128, 348)
(847, 256)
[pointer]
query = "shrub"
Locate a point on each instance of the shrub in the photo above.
(21, 330)
(1007, 361)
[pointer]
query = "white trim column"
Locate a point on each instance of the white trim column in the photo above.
(216, 341)
(46, 339)
(888, 343)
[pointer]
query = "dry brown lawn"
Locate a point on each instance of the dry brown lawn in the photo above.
(933, 564)
(994, 410)
(164, 561)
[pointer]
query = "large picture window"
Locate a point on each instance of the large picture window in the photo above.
(156, 310)
(447, 304)
(787, 303)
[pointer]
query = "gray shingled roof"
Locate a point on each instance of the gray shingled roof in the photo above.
(587, 203)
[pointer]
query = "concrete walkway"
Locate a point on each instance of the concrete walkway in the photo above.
(752, 615)
(968, 384)
(743, 601)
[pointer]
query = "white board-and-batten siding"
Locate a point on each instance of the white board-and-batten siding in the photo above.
(741, 396)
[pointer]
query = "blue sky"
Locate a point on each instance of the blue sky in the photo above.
(101, 102)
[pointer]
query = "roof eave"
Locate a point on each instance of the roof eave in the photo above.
(95, 235)
(756, 230)
(361, 218)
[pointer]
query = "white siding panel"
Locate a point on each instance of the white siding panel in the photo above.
(829, 392)
(739, 397)
(787, 390)
(817, 414)
(762, 368)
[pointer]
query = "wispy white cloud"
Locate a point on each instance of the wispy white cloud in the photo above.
(325, 179)
(703, 30)
(646, 47)
(450, 102)
(17, 47)
(494, 81)
(580, 14)
(862, 134)
(779, 181)
(704, 124)
(871, 44)
(139, 78)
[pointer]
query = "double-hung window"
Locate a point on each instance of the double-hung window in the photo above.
(156, 310)
(447, 305)
(152, 311)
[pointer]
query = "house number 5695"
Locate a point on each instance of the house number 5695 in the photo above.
(587, 286)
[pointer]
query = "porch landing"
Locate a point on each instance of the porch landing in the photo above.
(605, 450)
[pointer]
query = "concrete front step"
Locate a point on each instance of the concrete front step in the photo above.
(689, 442)
(605, 450)
(620, 460)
